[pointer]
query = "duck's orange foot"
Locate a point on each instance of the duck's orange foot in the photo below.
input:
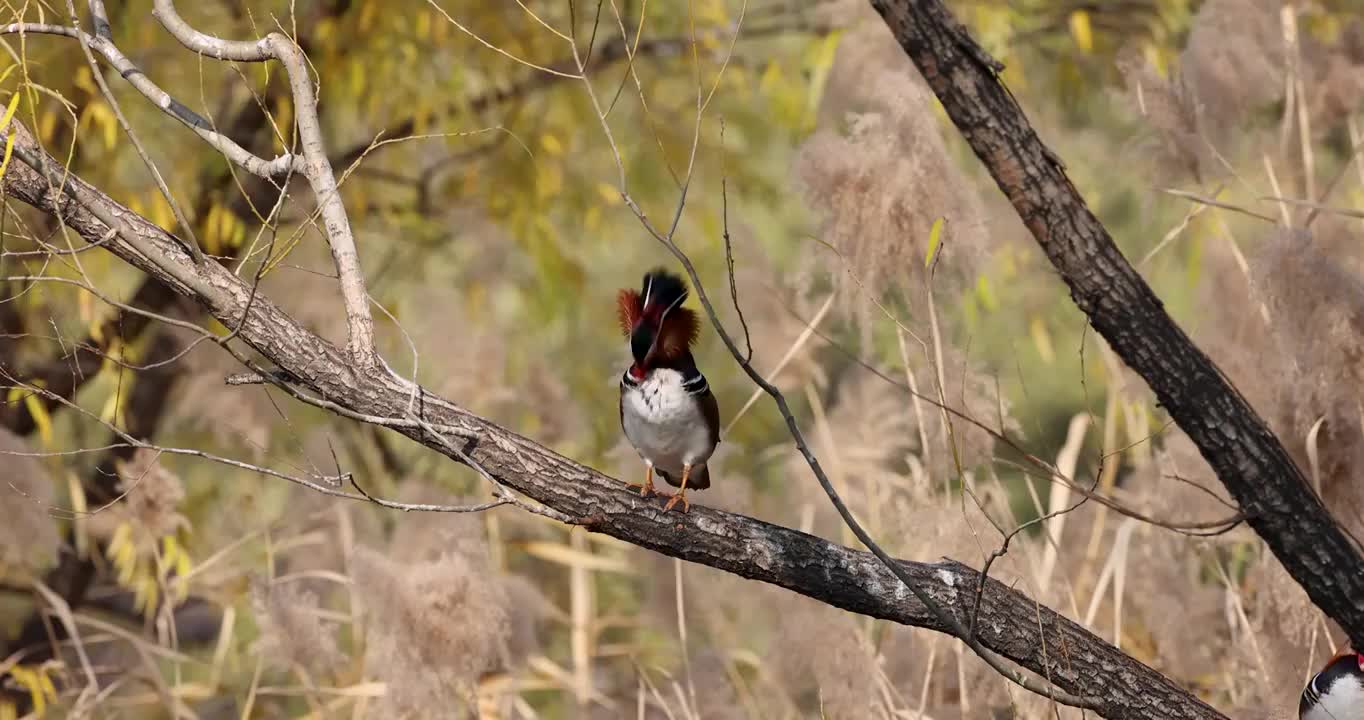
(682, 497)
(645, 489)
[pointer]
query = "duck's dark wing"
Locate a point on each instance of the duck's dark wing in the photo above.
(696, 385)
(710, 409)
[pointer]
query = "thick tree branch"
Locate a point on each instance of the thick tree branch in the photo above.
(1009, 623)
(1252, 464)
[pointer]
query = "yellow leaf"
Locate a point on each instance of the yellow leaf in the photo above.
(1158, 59)
(357, 78)
(41, 419)
(78, 507)
(183, 565)
(712, 13)
(113, 355)
(934, 238)
(209, 236)
(549, 179)
(238, 234)
(9, 110)
(609, 194)
(822, 62)
(986, 294)
(161, 213)
(9, 141)
(40, 688)
(770, 77)
(85, 310)
(325, 29)
(109, 413)
(85, 81)
(170, 550)
(551, 144)
(47, 126)
(284, 120)
(109, 122)
(122, 534)
(1081, 30)
(144, 596)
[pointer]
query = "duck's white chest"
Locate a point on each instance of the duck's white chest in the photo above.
(1344, 700)
(664, 422)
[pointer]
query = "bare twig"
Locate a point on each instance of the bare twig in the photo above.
(253, 163)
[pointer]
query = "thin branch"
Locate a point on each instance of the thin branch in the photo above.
(253, 163)
(191, 241)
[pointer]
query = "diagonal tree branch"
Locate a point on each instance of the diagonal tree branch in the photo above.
(1009, 623)
(1252, 463)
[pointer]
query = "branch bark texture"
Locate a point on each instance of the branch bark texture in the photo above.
(1009, 623)
(1248, 459)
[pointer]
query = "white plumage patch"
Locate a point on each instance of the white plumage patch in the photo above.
(663, 421)
(1343, 700)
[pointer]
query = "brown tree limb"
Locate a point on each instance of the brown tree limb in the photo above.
(1249, 460)
(1009, 623)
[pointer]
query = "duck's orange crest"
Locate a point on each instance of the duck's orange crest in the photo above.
(680, 327)
(629, 308)
(680, 330)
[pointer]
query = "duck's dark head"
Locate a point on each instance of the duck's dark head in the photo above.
(659, 328)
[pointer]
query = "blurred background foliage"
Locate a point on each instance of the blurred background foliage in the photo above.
(486, 198)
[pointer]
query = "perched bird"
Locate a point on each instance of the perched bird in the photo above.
(1337, 692)
(667, 410)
